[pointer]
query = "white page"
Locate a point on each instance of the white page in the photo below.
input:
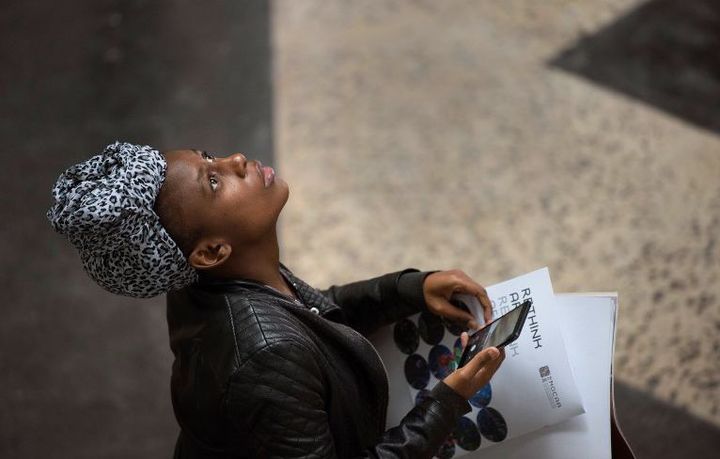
(520, 398)
(588, 324)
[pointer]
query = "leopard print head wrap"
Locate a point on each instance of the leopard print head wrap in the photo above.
(104, 206)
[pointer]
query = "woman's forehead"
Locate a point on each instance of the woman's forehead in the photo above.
(181, 174)
(181, 163)
(180, 155)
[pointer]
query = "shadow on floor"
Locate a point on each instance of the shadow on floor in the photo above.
(659, 431)
(665, 53)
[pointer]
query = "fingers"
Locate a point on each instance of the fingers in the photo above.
(461, 316)
(487, 306)
(475, 374)
(481, 359)
(464, 339)
(467, 285)
(482, 296)
(496, 363)
(487, 371)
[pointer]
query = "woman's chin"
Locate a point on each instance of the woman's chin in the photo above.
(285, 187)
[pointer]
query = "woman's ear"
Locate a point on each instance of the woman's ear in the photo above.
(209, 253)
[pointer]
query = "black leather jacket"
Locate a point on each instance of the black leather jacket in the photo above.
(257, 374)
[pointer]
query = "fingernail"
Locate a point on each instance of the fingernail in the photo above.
(494, 352)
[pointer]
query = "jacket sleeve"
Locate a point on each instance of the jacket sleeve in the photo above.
(370, 304)
(277, 398)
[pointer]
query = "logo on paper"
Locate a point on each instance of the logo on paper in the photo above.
(549, 386)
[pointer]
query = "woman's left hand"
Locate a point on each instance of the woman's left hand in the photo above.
(440, 286)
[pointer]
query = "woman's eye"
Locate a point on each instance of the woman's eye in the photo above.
(207, 155)
(213, 182)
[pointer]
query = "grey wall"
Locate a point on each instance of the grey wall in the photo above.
(85, 373)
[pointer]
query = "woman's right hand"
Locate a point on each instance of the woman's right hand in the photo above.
(469, 379)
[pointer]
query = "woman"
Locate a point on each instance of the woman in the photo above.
(265, 365)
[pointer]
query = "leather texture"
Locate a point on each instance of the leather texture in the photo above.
(257, 374)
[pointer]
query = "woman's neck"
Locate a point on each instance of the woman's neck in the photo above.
(271, 276)
(260, 263)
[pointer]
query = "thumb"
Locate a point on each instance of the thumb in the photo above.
(482, 358)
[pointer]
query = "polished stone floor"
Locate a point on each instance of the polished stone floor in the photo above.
(499, 137)
(439, 135)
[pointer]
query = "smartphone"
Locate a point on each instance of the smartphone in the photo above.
(498, 333)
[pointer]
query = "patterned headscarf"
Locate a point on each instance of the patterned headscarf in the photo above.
(104, 206)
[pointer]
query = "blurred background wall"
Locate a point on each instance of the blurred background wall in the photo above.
(85, 373)
(495, 137)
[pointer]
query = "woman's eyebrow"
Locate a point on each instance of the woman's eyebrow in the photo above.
(201, 172)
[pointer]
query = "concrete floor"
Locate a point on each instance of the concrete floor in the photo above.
(500, 137)
(479, 135)
(443, 134)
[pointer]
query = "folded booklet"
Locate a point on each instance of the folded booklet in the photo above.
(533, 388)
(588, 324)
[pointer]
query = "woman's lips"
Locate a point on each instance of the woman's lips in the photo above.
(268, 174)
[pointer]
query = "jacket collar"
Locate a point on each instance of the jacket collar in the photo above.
(309, 296)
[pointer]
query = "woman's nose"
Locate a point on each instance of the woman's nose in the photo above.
(238, 162)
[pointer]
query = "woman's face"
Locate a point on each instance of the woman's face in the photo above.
(231, 198)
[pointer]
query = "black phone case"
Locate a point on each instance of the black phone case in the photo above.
(512, 337)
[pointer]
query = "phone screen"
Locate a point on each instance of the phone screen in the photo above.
(497, 333)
